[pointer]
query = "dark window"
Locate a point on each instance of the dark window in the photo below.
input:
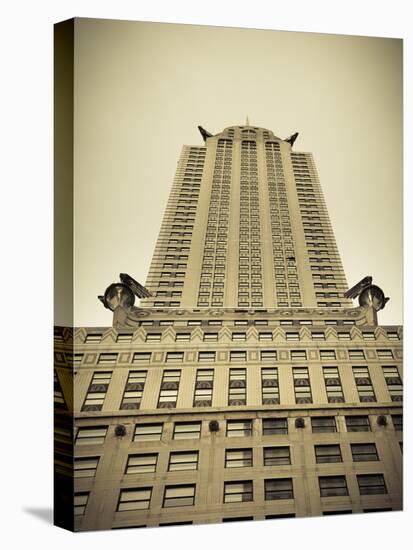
(272, 426)
(327, 453)
(323, 424)
(371, 484)
(278, 489)
(275, 456)
(364, 452)
(333, 486)
(357, 423)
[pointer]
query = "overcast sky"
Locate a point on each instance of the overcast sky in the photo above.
(141, 89)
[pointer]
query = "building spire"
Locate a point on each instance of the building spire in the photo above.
(247, 123)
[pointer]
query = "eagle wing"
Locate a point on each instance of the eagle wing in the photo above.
(356, 290)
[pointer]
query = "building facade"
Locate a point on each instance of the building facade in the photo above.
(245, 385)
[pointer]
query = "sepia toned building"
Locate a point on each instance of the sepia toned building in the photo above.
(245, 384)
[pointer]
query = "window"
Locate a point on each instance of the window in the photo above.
(270, 388)
(203, 387)
(265, 336)
(237, 356)
(239, 336)
(278, 489)
(168, 395)
(174, 356)
(206, 356)
(142, 357)
(384, 354)
(323, 424)
(134, 499)
(268, 355)
(327, 354)
(333, 486)
(148, 432)
(327, 453)
(239, 428)
(369, 336)
(298, 355)
(95, 338)
(238, 458)
(124, 337)
(183, 337)
(273, 426)
(292, 336)
(371, 484)
(391, 335)
(357, 423)
(238, 491)
(107, 358)
(276, 456)
(187, 430)
(302, 388)
(133, 391)
(394, 383)
(141, 464)
(237, 387)
(80, 502)
(364, 452)
(344, 335)
(397, 422)
(97, 391)
(179, 495)
(210, 337)
(318, 336)
(364, 385)
(91, 436)
(333, 385)
(183, 460)
(86, 466)
(356, 354)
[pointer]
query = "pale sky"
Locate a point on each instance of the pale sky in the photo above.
(141, 89)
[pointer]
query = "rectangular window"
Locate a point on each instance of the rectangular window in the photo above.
(270, 388)
(357, 423)
(141, 464)
(238, 491)
(210, 337)
(391, 335)
(86, 466)
(332, 382)
(369, 336)
(183, 337)
(237, 392)
(298, 355)
(384, 354)
(206, 357)
(236, 356)
(318, 336)
(97, 391)
(364, 385)
(274, 426)
(141, 357)
(134, 499)
(107, 358)
(371, 484)
(394, 383)
(327, 453)
(333, 486)
(91, 436)
(134, 389)
(59, 400)
(397, 422)
(148, 432)
(239, 336)
(239, 428)
(187, 430)
(168, 395)
(344, 335)
(276, 456)
(80, 502)
(278, 489)
(124, 337)
(183, 460)
(204, 385)
(292, 336)
(268, 355)
(364, 452)
(356, 354)
(327, 354)
(179, 495)
(238, 458)
(323, 424)
(95, 338)
(174, 356)
(262, 336)
(302, 388)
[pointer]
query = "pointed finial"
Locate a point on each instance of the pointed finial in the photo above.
(247, 122)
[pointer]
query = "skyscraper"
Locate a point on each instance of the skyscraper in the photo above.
(245, 385)
(246, 225)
